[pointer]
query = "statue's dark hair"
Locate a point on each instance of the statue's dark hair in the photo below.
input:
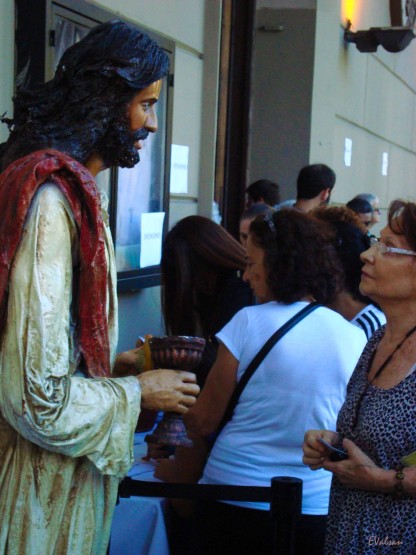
(94, 81)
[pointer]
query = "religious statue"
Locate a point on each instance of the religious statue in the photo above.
(67, 425)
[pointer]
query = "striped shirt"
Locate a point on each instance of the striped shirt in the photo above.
(369, 319)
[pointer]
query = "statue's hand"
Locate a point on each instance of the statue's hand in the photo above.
(168, 390)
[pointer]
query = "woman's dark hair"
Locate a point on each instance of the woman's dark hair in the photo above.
(94, 81)
(350, 240)
(402, 220)
(300, 258)
(197, 255)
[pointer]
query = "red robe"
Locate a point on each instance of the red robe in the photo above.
(18, 185)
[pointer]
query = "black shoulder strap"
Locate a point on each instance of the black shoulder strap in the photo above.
(260, 356)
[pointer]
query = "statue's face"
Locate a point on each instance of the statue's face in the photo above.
(121, 143)
(140, 110)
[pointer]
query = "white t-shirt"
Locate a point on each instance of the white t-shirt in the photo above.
(300, 385)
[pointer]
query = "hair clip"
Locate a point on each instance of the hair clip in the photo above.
(270, 222)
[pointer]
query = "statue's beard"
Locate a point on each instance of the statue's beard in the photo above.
(117, 146)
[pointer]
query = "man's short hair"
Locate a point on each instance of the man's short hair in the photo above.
(264, 189)
(313, 179)
(360, 206)
(367, 196)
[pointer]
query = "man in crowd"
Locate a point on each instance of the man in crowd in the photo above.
(67, 425)
(257, 209)
(314, 186)
(375, 203)
(363, 209)
(264, 191)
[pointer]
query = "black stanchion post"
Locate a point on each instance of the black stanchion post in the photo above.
(286, 510)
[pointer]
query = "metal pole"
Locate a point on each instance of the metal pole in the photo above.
(286, 510)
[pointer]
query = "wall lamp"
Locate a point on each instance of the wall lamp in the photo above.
(392, 39)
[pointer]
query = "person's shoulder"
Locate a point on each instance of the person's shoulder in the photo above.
(335, 319)
(248, 314)
(369, 319)
(375, 312)
(285, 204)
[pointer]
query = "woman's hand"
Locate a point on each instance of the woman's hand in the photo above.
(155, 452)
(314, 453)
(187, 465)
(134, 361)
(167, 470)
(359, 471)
(126, 363)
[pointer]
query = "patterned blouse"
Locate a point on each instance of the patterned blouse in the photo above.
(365, 522)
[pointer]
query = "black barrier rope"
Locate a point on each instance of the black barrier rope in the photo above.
(284, 496)
(129, 487)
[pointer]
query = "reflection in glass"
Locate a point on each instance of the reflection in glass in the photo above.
(67, 34)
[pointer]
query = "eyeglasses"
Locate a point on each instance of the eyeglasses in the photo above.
(383, 249)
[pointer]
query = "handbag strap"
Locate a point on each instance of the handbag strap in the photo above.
(258, 359)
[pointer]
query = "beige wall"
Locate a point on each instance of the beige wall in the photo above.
(369, 98)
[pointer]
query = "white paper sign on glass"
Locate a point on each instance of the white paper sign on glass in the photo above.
(151, 235)
(179, 169)
(347, 152)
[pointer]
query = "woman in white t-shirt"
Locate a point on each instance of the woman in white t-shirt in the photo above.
(301, 384)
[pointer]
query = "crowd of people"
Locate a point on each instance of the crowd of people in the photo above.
(339, 382)
(300, 254)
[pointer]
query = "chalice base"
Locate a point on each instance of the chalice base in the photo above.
(170, 431)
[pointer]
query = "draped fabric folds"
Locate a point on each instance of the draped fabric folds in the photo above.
(18, 185)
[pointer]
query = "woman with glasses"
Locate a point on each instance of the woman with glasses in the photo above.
(290, 263)
(373, 496)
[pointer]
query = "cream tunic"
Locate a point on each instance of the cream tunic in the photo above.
(65, 439)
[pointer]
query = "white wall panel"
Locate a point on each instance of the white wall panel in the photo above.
(187, 111)
(182, 20)
(370, 98)
(388, 105)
